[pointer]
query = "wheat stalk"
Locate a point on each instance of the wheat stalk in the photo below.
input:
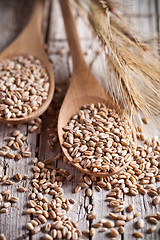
(136, 68)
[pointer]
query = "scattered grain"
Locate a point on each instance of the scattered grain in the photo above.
(18, 156)
(119, 223)
(22, 189)
(130, 208)
(89, 192)
(97, 225)
(29, 226)
(5, 192)
(18, 177)
(152, 229)
(140, 223)
(158, 215)
(137, 214)
(47, 237)
(92, 232)
(36, 230)
(3, 210)
(92, 216)
(10, 155)
(7, 205)
(72, 200)
(145, 121)
(108, 224)
(85, 232)
(138, 235)
(114, 232)
(156, 201)
(129, 217)
(77, 189)
(153, 220)
(121, 230)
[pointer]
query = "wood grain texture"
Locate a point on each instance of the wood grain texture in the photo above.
(146, 29)
(13, 223)
(143, 17)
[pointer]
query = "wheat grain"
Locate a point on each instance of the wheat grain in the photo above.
(22, 90)
(88, 122)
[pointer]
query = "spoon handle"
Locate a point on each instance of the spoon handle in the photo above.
(31, 38)
(34, 26)
(72, 35)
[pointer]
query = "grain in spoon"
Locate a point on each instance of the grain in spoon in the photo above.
(30, 42)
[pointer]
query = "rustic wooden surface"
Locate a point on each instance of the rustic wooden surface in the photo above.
(144, 17)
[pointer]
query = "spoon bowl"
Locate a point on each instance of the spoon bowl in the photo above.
(69, 109)
(30, 42)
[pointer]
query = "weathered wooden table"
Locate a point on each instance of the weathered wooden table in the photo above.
(144, 17)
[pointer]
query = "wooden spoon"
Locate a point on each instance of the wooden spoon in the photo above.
(84, 88)
(30, 42)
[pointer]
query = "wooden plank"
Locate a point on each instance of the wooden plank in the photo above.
(146, 29)
(100, 207)
(13, 224)
(56, 44)
(145, 25)
(141, 15)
